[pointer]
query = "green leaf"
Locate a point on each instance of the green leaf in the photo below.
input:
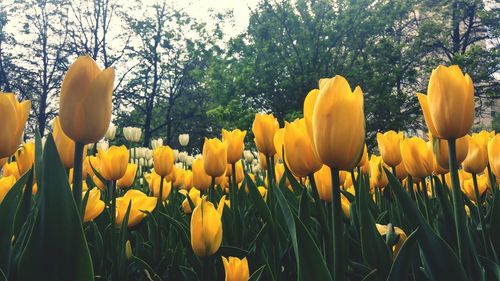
(495, 222)
(56, 249)
(256, 274)
(402, 263)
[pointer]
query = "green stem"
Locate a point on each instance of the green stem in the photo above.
(491, 178)
(234, 190)
(394, 171)
(338, 262)
(113, 230)
(479, 205)
(211, 191)
(270, 181)
(160, 195)
(458, 203)
(77, 175)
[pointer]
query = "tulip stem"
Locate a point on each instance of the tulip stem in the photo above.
(77, 175)
(338, 262)
(211, 191)
(458, 203)
(234, 190)
(491, 178)
(479, 206)
(394, 171)
(160, 195)
(113, 229)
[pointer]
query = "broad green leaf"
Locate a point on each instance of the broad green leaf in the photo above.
(256, 274)
(402, 263)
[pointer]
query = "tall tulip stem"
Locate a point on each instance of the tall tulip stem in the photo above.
(160, 196)
(113, 229)
(233, 192)
(338, 264)
(479, 205)
(77, 175)
(458, 203)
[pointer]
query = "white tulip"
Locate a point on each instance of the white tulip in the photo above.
(248, 156)
(111, 132)
(103, 145)
(156, 143)
(184, 139)
(132, 134)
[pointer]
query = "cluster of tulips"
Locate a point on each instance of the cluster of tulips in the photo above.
(313, 205)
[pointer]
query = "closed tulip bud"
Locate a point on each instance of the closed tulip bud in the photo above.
(113, 162)
(206, 228)
(128, 250)
(417, 157)
(111, 132)
(183, 139)
(179, 177)
(440, 148)
(128, 179)
(156, 143)
(264, 126)
(132, 134)
(388, 145)
(214, 157)
(85, 103)
(6, 183)
(235, 144)
(13, 117)
(477, 156)
(236, 269)
(279, 141)
(154, 181)
(11, 169)
(309, 103)
(263, 191)
(339, 124)
(140, 203)
(299, 154)
(94, 206)
(163, 160)
(494, 155)
(195, 196)
(448, 106)
(239, 171)
(183, 156)
(377, 172)
(25, 156)
(65, 146)
(188, 179)
(201, 180)
(468, 187)
(323, 179)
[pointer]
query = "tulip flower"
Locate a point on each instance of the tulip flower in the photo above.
(383, 229)
(263, 191)
(11, 169)
(477, 156)
(178, 181)
(188, 179)
(309, 103)
(140, 203)
(183, 139)
(6, 183)
(440, 148)
(401, 172)
(236, 269)
(448, 106)
(113, 162)
(468, 187)
(201, 180)
(111, 132)
(206, 228)
(90, 162)
(85, 103)
(239, 171)
(279, 141)
(94, 206)
(13, 117)
(494, 155)
(299, 153)
(163, 160)
(98, 183)
(388, 145)
(417, 157)
(65, 146)
(25, 156)
(264, 126)
(235, 144)
(154, 181)
(132, 134)
(377, 172)
(339, 124)
(128, 179)
(214, 157)
(195, 196)
(323, 179)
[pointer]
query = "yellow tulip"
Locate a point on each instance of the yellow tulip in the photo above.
(235, 144)
(11, 169)
(65, 146)
(339, 124)
(195, 196)
(128, 179)
(239, 171)
(179, 177)
(477, 156)
(262, 161)
(388, 145)
(94, 206)
(264, 126)
(90, 162)
(25, 156)
(214, 157)
(154, 181)
(188, 179)
(417, 157)
(279, 141)
(494, 155)
(139, 202)
(85, 103)
(98, 183)
(323, 179)
(401, 172)
(113, 162)
(309, 103)
(440, 148)
(6, 184)
(206, 228)
(377, 172)
(468, 187)
(163, 160)
(263, 191)
(201, 180)
(383, 229)
(299, 154)
(448, 106)
(13, 117)
(236, 269)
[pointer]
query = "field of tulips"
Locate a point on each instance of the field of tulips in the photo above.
(304, 202)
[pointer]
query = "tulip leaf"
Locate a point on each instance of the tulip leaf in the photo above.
(402, 263)
(181, 230)
(256, 274)
(495, 221)
(259, 202)
(441, 261)
(56, 248)
(231, 251)
(7, 216)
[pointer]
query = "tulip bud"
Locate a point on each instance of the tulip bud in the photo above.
(448, 106)
(183, 139)
(206, 228)
(214, 157)
(85, 103)
(163, 160)
(94, 206)
(235, 144)
(154, 181)
(477, 156)
(13, 117)
(156, 143)
(468, 187)
(299, 153)
(236, 269)
(25, 156)
(339, 143)
(113, 162)
(264, 126)
(417, 157)
(440, 149)
(140, 205)
(239, 171)
(128, 250)
(6, 183)
(201, 180)
(132, 134)
(128, 179)
(494, 155)
(278, 141)
(388, 145)
(111, 132)
(377, 172)
(195, 196)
